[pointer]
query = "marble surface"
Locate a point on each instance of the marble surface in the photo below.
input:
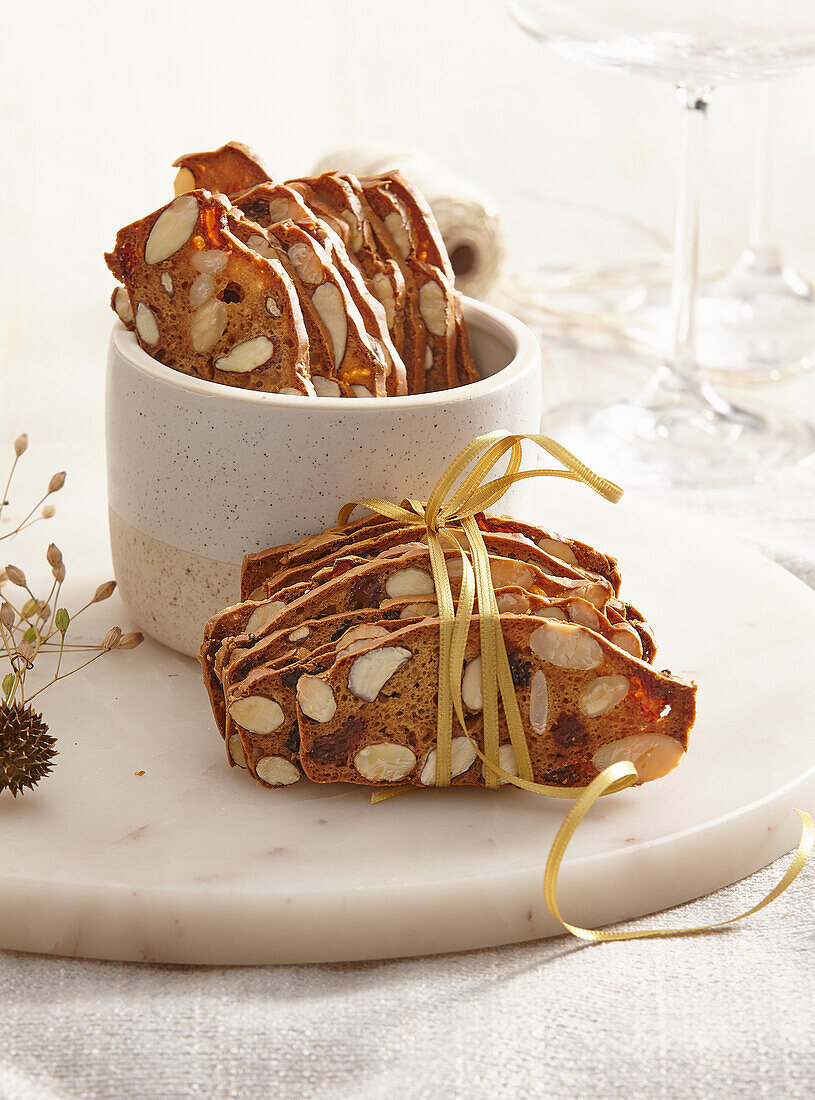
(191, 862)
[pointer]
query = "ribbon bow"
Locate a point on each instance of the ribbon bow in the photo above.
(448, 519)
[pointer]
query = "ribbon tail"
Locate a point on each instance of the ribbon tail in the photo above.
(617, 777)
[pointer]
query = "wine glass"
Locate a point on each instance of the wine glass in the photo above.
(680, 431)
(755, 323)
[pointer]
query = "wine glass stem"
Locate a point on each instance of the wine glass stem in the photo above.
(682, 373)
(760, 212)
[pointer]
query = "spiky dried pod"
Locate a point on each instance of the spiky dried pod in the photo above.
(15, 575)
(104, 591)
(7, 615)
(53, 555)
(27, 750)
(56, 482)
(130, 641)
(112, 638)
(21, 444)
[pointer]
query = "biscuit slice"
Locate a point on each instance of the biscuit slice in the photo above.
(370, 718)
(261, 729)
(466, 367)
(269, 204)
(353, 583)
(321, 355)
(409, 218)
(229, 170)
(632, 636)
(205, 304)
(588, 593)
(260, 567)
(572, 551)
(361, 366)
(370, 308)
(237, 659)
(238, 654)
(433, 296)
(373, 251)
(405, 539)
(429, 246)
(279, 626)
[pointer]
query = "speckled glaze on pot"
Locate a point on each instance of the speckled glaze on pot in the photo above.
(202, 474)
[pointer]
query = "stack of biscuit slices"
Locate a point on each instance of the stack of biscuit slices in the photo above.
(329, 667)
(331, 286)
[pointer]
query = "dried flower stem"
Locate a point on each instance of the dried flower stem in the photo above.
(4, 502)
(24, 520)
(67, 674)
(11, 659)
(25, 526)
(59, 656)
(30, 629)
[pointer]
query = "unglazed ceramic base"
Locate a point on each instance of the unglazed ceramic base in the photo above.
(193, 862)
(169, 591)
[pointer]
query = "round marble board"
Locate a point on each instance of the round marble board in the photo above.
(192, 862)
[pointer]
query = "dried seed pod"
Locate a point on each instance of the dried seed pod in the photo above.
(26, 750)
(53, 555)
(44, 611)
(104, 591)
(48, 512)
(26, 650)
(59, 572)
(56, 482)
(21, 444)
(7, 615)
(130, 641)
(112, 638)
(15, 575)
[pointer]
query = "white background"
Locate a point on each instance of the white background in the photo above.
(97, 100)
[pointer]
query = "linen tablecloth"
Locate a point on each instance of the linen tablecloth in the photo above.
(727, 1014)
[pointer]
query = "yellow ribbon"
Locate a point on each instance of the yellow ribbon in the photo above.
(451, 521)
(605, 783)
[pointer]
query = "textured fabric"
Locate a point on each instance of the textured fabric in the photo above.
(723, 1015)
(728, 1014)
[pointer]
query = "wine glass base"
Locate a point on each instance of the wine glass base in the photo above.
(755, 324)
(689, 446)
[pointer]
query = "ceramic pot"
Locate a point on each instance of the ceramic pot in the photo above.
(201, 474)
